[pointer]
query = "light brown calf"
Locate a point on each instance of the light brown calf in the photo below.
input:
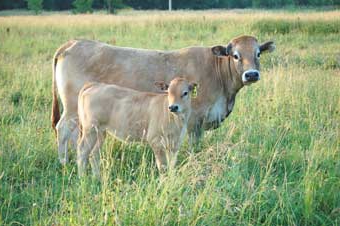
(160, 119)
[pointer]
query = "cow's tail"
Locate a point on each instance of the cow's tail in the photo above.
(55, 116)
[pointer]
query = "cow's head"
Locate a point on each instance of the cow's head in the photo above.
(244, 52)
(179, 94)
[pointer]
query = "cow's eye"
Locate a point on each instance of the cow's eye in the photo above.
(236, 57)
(184, 94)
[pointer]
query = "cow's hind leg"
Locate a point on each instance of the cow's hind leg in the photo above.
(74, 138)
(64, 131)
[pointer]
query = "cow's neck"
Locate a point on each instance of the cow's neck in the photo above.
(233, 81)
(230, 82)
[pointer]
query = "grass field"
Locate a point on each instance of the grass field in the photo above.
(275, 161)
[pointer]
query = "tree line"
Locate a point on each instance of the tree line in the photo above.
(111, 5)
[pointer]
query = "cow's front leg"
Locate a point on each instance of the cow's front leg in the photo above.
(195, 132)
(195, 135)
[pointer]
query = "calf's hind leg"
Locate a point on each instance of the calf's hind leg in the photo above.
(95, 155)
(86, 144)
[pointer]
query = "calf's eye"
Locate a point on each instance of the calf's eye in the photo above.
(184, 94)
(236, 57)
(258, 54)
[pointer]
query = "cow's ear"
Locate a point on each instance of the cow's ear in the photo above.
(219, 51)
(267, 46)
(162, 85)
(222, 51)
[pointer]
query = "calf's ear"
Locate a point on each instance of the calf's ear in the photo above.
(267, 46)
(162, 85)
(192, 86)
(193, 89)
(222, 51)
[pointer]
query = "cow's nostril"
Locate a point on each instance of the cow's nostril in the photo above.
(252, 76)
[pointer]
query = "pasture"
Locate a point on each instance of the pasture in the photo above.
(275, 160)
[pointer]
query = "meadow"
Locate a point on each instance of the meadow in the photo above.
(275, 160)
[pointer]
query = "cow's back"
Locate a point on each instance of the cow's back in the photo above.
(133, 68)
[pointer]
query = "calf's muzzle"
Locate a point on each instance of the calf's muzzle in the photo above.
(173, 108)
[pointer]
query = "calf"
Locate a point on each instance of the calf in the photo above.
(130, 115)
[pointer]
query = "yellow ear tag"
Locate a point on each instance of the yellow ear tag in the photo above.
(194, 92)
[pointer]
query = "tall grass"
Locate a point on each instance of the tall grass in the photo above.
(275, 161)
(309, 27)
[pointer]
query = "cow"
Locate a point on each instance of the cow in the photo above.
(130, 115)
(220, 70)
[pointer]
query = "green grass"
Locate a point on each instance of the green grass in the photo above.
(308, 27)
(275, 161)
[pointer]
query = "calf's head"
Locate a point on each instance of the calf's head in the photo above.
(179, 94)
(244, 53)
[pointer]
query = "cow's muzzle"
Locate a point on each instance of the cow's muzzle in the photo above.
(250, 76)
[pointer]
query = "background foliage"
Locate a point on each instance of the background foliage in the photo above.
(83, 6)
(35, 5)
(177, 4)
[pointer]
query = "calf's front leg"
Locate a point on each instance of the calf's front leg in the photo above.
(160, 156)
(166, 157)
